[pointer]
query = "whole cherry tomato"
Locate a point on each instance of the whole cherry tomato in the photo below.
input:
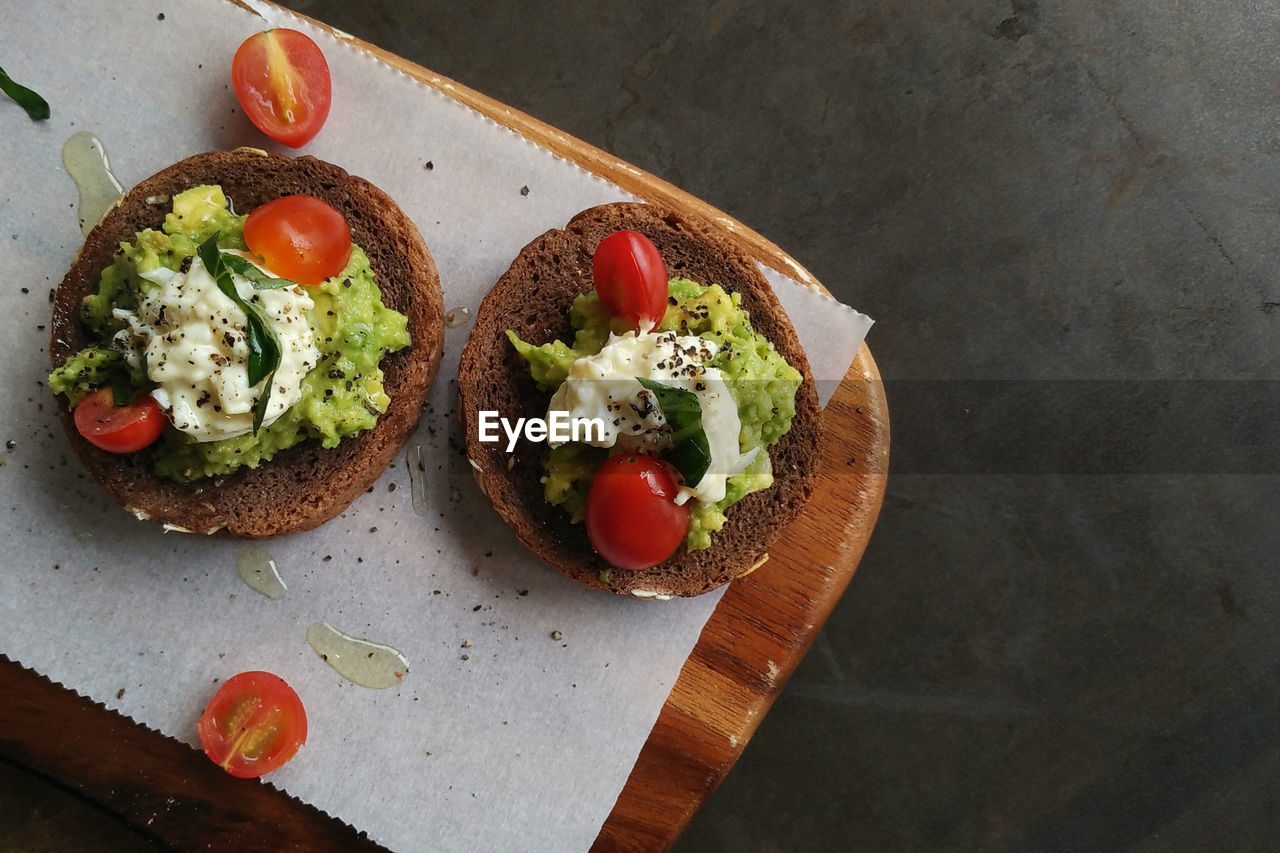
(282, 81)
(632, 518)
(253, 724)
(631, 277)
(299, 237)
(119, 429)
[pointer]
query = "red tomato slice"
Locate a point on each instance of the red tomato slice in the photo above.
(119, 429)
(253, 724)
(299, 237)
(282, 82)
(631, 277)
(632, 519)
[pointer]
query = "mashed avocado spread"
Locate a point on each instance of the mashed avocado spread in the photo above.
(761, 382)
(341, 395)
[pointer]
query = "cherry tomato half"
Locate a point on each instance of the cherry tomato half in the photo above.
(119, 429)
(282, 82)
(299, 237)
(253, 724)
(631, 277)
(632, 519)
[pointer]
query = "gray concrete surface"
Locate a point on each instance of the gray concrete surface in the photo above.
(1061, 648)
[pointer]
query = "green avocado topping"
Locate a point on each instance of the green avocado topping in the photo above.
(763, 386)
(341, 396)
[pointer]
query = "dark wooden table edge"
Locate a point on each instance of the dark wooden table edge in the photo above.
(160, 787)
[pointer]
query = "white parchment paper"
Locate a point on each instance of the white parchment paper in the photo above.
(524, 744)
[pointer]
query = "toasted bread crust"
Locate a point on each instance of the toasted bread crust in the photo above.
(533, 298)
(306, 485)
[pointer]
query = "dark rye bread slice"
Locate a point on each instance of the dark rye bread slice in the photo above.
(306, 485)
(533, 299)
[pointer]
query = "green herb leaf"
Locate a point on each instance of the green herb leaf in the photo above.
(691, 457)
(264, 352)
(690, 453)
(122, 389)
(260, 410)
(264, 346)
(259, 279)
(36, 106)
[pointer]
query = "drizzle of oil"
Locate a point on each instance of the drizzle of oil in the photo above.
(260, 573)
(417, 478)
(455, 317)
(359, 661)
(86, 162)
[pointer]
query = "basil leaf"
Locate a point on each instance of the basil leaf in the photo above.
(260, 410)
(678, 404)
(690, 453)
(264, 346)
(122, 389)
(691, 457)
(36, 106)
(259, 279)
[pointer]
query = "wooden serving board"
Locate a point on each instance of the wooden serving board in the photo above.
(750, 646)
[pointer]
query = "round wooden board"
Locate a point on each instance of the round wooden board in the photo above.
(748, 649)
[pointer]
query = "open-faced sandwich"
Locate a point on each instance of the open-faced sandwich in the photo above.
(244, 342)
(670, 421)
